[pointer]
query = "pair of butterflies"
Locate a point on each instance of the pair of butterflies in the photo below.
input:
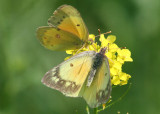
(84, 75)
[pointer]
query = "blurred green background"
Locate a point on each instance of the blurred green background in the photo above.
(23, 61)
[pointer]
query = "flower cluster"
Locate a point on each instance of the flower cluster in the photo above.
(116, 56)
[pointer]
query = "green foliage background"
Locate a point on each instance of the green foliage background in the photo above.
(23, 61)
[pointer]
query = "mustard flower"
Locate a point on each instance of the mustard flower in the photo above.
(116, 56)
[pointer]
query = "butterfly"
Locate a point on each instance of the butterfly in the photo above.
(86, 75)
(66, 30)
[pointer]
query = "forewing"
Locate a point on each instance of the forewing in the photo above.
(67, 18)
(100, 89)
(55, 39)
(69, 76)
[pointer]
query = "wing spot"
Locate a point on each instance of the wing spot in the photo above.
(105, 74)
(58, 22)
(63, 16)
(78, 24)
(57, 36)
(71, 65)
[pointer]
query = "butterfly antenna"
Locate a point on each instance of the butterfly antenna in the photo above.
(99, 31)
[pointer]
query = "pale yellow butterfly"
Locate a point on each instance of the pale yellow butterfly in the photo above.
(66, 30)
(86, 75)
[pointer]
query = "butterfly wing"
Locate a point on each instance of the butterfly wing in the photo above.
(100, 89)
(67, 30)
(69, 76)
(67, 18)
(55, 39)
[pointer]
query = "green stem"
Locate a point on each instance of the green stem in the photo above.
(95, 110)
(87, 109)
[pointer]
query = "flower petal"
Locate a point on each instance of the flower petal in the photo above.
(111, 38)
(109, 55)
(125, 55)
(92, 36)
(69, 51)
(115, 80)
(114, 71)
(113, 47)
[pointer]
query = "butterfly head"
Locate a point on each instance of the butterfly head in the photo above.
(103, 50)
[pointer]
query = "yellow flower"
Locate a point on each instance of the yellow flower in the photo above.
(114, 71)
(104, 42)
(111, 38)
(94, 47)
(117, 65)
(124, 78)
(116, 80)
(67, 57)
(116, 56)
(92, 36)
(113, 47)
(69, 51)
(124, 55)
(104, 106)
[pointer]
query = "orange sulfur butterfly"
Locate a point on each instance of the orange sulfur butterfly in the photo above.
(66, 30)
(86, 75)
